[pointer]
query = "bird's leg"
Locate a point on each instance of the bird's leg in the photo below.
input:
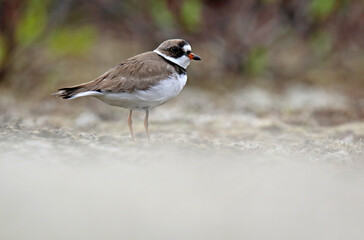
(130, 124)
(146, 123)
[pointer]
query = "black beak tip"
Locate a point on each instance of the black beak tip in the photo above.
(197, 58)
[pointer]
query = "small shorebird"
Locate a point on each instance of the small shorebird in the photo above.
(141, 82)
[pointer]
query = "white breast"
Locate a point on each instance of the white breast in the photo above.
(165, 89)
(160, 93)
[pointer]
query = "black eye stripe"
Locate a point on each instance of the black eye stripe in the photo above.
(175, 49)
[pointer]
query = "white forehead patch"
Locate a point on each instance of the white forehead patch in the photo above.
(187, 48)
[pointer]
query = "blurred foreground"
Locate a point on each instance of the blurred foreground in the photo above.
(84, 188)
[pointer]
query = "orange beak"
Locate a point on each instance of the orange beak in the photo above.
(193, 56)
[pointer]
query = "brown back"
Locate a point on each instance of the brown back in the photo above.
(136, 73)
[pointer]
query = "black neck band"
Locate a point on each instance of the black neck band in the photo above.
(178, 68)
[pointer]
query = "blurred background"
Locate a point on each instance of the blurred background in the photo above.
(259, 56)
(272, 44)
(45, 44)
(302, 61)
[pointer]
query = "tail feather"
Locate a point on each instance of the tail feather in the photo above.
(81, 90)
(67, 92)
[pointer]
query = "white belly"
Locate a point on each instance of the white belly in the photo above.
(154, 96)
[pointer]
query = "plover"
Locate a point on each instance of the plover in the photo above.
(141, 82)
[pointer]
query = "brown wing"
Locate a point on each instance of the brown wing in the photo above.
(136, 73)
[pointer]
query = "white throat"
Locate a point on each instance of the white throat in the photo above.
(182, 61)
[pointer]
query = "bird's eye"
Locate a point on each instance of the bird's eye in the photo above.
(174, 49)
(188, 52)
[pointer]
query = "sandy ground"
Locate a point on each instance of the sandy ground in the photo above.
(249, 165)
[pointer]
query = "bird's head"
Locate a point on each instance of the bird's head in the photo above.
(177, 51)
